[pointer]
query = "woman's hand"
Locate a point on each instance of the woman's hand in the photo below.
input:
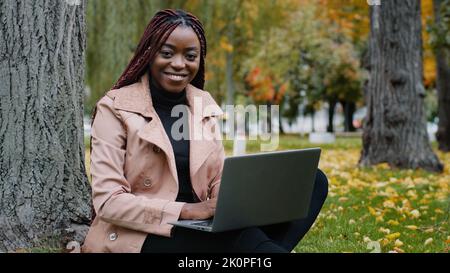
(199, 211)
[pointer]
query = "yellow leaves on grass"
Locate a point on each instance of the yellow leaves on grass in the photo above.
(394, 203)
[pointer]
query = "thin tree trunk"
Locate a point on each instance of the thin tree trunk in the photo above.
(443, 88)
(229, 57)
(280, 128)
(349, 109)
(44, 191)
(395, 126)
(229, 78)
(331, 108)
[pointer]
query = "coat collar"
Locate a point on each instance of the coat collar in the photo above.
(136, 98)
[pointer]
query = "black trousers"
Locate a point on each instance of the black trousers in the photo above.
(277, 238)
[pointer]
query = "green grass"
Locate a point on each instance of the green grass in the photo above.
(373, 204)
(293, 141)
(346, 223)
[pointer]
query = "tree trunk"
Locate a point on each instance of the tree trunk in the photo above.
(313, 126)
(44, 190)
(280, 128)
(349, 109)
(229, 55)
(443, 88)
(395, 126)
(331, 108)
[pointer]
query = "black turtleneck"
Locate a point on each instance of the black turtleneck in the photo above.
(163, 102)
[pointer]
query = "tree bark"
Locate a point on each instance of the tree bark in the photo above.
(443, 87)
(395, 126)
(45, 193)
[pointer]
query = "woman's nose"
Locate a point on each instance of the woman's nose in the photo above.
(178, 62)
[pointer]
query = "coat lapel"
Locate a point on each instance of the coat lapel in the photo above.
(202, 142)
(136, 98)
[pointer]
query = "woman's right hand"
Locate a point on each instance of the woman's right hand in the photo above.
(199, 211)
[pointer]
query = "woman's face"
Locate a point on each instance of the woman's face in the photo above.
(178, 60)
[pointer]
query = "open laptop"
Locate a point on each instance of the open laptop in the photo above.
(262, 189)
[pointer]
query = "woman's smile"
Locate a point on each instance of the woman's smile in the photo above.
(175, 77)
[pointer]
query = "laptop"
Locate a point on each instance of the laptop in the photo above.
(262, 189)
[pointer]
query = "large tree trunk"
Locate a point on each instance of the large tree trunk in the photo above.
(443, 88)
(44, 191)
(395, 127)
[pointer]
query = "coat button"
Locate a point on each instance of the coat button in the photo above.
(112, 236)
(156, 149)
(148, 182)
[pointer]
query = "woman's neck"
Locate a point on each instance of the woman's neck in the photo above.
(166, 99)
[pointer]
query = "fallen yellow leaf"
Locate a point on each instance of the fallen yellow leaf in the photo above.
(415, 214)
(384, 230)
(372, 211)
(393, 236)
(428, 241)
(399, 250)
(411, 227)
(439, 211)
(389, 204)
(398, 243)
(393, 223)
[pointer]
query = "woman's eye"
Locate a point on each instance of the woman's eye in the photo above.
(166, 54)
(191, 57)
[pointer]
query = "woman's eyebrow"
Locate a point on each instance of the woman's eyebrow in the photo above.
(174, 47)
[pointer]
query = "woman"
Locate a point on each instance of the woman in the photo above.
(145, 174)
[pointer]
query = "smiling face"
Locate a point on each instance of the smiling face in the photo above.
(178, 60)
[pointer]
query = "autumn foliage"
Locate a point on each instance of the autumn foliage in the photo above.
(265, 88)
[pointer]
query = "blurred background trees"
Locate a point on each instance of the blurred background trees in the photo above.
(305, 56)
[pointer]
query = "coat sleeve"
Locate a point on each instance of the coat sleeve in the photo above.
(215, 183)
(111, 192)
